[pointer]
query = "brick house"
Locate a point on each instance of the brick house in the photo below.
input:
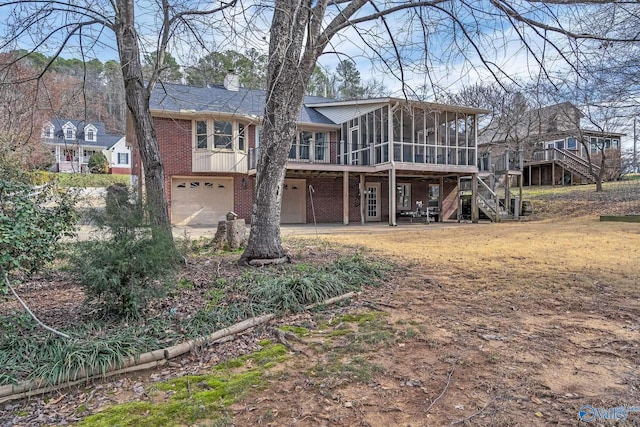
(72, 143)
(351, 161)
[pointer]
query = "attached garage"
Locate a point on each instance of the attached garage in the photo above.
(294, 202)
(200, 200)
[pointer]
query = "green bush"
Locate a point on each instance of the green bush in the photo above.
(98, 163)
(126, 264)
(32, 222)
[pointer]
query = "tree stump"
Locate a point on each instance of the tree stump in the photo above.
(231, 234)
(236, 233)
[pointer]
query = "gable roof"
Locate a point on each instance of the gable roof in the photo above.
(520, 126)
(103, 139)
(169, 97)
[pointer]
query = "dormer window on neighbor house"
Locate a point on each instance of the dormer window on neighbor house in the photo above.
(90, 132)
(69, 131)
(219, 135)
(47, 131)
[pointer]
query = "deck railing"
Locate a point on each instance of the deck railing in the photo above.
(509, 160)
(72, 159)
(352, 154)
(554, 154)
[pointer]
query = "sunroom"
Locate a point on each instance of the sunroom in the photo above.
(383, 131)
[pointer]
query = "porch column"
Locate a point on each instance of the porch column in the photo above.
(392, 197)
(507, 192)
(553, 174)
(475, 216)
(363, 199)
(440, 196)
(520, 194)
(540, 175)
(345, 198)
(530, 183)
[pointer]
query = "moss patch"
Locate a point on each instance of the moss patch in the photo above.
(360, 317)
(195, 397)
(298, 330)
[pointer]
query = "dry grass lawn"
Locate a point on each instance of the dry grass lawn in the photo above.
(511, 324)
(494, 324)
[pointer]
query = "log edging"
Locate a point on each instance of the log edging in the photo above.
(148, 360)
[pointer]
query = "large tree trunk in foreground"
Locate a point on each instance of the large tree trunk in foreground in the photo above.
(288, 73)
(137, 97)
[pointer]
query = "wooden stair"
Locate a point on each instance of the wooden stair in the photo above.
(576, 165)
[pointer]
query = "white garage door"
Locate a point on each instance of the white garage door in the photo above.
(200, 201)
(294, 202)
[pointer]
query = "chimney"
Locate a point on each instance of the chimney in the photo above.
(232, 81)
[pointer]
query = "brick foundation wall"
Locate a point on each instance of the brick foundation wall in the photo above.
(120, 171)
(243, 196)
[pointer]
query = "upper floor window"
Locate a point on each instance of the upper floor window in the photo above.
(311, 146)
(241, 137)
(597, 144)
(47, 132)
(201, 134)
(222, 135)
(69, 131)
(90, 133)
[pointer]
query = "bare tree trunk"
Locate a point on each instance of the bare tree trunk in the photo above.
(137, 97)
(288, 75)
(600, 178)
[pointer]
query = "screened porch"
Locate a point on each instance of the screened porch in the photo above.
(410, 133)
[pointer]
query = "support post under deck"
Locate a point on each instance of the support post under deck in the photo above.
(363, 199)
(475, 215)
(392, 197)
(345, 197)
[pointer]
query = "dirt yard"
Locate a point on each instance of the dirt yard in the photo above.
(501, 324)
(489, 324)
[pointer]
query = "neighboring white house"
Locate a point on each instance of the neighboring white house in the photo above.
(73, 142)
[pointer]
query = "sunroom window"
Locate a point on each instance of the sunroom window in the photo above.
(201, 134)
(218, 134)
(222, 134)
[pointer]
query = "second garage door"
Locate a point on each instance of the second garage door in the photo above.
(294, 202)
(200, 201)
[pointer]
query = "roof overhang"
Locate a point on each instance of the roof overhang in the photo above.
(192, 114)
(432, 106)
(256, 120)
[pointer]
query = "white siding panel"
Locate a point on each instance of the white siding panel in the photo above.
(219, 161)
(343, 113)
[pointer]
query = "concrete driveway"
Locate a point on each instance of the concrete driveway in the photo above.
(309, 229)
(85, 231)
